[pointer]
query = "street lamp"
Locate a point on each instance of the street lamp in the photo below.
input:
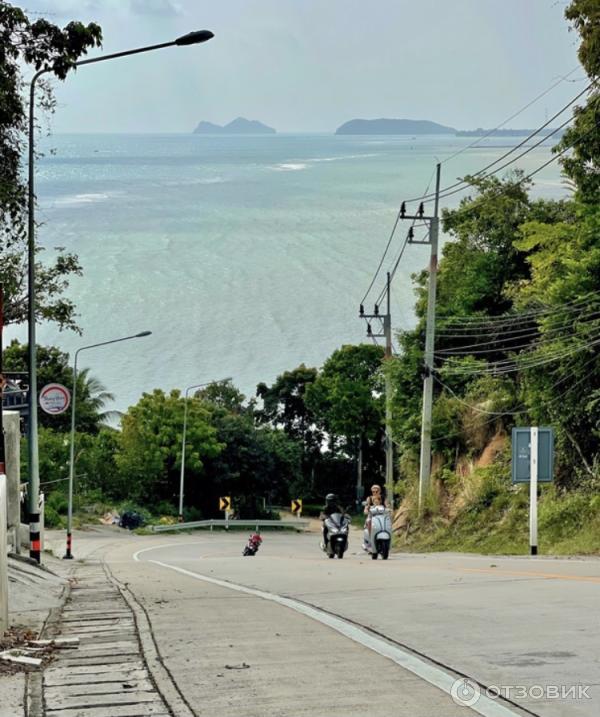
(192, 38)
(185, 412)
(68, 554)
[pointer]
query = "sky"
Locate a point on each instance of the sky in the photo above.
(310, 65)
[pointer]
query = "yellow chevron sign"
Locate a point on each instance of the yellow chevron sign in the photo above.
(225, 503)
(297, 506)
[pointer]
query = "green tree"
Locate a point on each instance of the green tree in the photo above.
(582, 164)
(53, 367)
(27, 45)
(149, 456)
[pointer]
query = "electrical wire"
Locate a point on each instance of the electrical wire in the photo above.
(512, 413)
(479, 140)
(501, 368)
(501, 318)
(506, 154)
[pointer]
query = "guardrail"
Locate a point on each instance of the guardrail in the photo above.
(296, 523)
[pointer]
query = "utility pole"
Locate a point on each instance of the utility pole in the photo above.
(433, 221)
(384, 330)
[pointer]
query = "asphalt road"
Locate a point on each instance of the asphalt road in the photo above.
(527, 626)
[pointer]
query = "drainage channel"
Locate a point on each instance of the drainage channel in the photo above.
(107, 675)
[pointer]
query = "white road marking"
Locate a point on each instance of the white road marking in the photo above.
(432, 674)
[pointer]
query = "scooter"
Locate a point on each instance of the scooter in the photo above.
(252, 545)
(378, 539)
(337, 525)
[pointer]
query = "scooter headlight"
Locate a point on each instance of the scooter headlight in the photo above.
(333, 531)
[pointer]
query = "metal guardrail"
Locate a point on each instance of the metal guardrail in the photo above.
(297, 523)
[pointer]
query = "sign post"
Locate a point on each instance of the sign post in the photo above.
(533, 463)
(225, 505)
(533, 485)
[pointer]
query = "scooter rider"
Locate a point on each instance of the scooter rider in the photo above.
(377, 497)
(331, 506)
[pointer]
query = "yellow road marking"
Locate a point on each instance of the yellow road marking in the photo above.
(534, 574)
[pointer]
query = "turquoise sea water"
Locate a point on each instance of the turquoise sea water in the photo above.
(244, 255)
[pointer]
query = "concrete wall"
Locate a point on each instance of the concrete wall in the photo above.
(12, 442)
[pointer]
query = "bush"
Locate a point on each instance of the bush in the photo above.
(51, 518)
(57, 502)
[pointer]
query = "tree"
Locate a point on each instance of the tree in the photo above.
(53, 367)
(582, 165)
(34, 45)
(347, 402)
(149, 454)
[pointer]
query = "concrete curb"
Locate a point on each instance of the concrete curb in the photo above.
(161, 675)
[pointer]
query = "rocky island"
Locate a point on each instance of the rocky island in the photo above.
(393, 126)
(241, 125)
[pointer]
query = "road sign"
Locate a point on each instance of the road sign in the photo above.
(521, 455)
(55, 398)
(532, 462)
(297, 506)
(225, 504)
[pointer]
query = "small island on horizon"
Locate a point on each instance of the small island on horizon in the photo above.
(241, 125)
(393, 126)
(425, 127)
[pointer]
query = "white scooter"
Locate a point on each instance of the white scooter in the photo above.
(378, 539)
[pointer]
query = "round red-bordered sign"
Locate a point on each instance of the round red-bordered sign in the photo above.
(55, 398)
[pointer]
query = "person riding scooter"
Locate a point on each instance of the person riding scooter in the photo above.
(376, 498)
(331, 506)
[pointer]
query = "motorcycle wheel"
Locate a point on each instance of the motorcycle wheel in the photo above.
(339, 551)
(246, 551)
(330, 556)
(385, 552)
(373, 556)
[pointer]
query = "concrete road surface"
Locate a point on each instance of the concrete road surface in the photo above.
(291, 633)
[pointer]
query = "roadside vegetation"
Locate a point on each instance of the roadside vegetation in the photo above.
(517, 344)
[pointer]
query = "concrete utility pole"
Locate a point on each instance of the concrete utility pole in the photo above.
(425, 461)
(384, 330)
(3, 497)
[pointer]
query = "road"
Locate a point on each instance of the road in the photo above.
(529, 626)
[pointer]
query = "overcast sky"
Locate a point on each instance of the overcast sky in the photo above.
(309, 65)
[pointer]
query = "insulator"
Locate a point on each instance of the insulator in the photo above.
(411, 234)
(362, 310)
(403, 209)
(376, 310)
(369, 330)
(421, 209)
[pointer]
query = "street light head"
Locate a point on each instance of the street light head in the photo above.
(143, 333)
(193, 38)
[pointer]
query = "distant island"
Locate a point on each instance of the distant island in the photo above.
(238, 126)
(415, 127)
(479, 132)
(393, 126)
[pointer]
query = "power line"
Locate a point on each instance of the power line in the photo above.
(387, 246)
(511, 366)
(512, 413)
(563, 78)
(506, 154)
(510, 318)
(453, 354)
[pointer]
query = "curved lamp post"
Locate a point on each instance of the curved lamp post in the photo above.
(192, 38)
(185, 413)
(68, 554)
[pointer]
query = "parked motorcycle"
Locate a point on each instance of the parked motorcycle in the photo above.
(378, 539)
(252, 545)
(337, 525)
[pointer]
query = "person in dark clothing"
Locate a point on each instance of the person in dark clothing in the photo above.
(332, 505)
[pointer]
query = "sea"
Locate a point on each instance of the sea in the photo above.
(244, 255)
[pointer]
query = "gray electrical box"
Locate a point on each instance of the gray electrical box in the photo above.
(521, 455)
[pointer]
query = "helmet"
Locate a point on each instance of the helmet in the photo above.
(331, 499)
